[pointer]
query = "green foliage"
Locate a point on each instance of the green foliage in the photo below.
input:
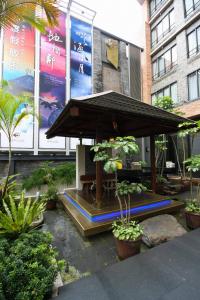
(161, 179)
(161, 144)
(122, 145)
(127, 231)
(19, 215)
(14, 11)
(193, 163)
(125, 188)
(111, 165)
(10, 118)
(188, 128)
(50, 175)
(165, 103)
(9, 107)
(193, 206)
(51, 194)
(28, 267)
(12, 186)
(143, 163)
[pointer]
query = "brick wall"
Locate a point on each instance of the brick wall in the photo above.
(146, 59)
(191, 109)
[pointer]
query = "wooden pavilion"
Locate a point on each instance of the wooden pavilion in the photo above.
(101, 116)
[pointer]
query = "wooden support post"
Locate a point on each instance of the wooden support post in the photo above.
(99, 181)
(153, 163)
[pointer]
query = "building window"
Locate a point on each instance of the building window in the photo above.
(194, 85)
(164, 63)
(165, 26)
(155, 5)
(193, 41)
(190, 6)
(170, 90)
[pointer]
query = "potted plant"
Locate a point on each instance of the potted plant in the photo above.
(128, 238)
(127, 233)
(192, 214)
(51, 197)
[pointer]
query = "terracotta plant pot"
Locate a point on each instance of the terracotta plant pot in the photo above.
(192, 220)
(126, 249)
(51, 204)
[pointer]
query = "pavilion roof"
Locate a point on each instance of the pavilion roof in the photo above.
(110, 114)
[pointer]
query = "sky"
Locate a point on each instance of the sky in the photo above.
(123, 18)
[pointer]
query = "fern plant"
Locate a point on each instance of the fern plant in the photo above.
(18, 217)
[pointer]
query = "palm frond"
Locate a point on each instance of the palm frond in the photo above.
(13, 11)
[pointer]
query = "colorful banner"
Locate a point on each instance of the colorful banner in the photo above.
(18, 70)
(52, 81)
(81, 58)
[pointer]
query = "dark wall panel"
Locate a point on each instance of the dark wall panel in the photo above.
(135, 72)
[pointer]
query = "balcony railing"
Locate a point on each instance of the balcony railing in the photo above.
(194, 7)
(161, 36)
(157, 6)
(194, 51)
(164, 71)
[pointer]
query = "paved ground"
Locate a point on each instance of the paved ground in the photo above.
(90, 254)
(86, 255)
(166, 272)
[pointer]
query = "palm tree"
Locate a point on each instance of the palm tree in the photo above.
(11, 115)
(14, 11)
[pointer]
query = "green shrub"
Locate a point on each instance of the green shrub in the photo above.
(19, 214)
(51, 194)
(127, 231)
(65, 173)
(49, 174)
(28, 267)
(193, 206)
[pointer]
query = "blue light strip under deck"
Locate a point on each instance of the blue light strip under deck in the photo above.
(116, 214)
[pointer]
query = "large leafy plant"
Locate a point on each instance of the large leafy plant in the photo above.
(12, 186)
(28, 267)
(19, 214)
(12, 12)
(190, 129)
(166, 103)
(193, 165)
(104, 152)
(11, 115)
(123, 232)
(50, 174)
(121, 145)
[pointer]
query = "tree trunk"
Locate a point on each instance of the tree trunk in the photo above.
(8, 170)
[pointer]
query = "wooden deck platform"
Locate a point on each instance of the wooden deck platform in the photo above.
(90, 220)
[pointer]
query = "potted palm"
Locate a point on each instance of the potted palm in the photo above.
(192, 210)
(127, 233)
